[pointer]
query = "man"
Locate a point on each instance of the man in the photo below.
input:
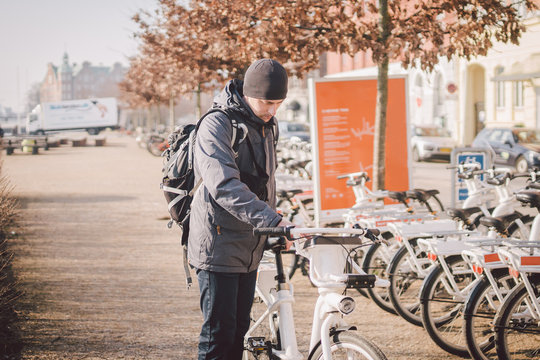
(237, 194)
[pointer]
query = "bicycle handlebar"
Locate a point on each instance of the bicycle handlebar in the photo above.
(353, 175)
(289, 232)
(273, 231)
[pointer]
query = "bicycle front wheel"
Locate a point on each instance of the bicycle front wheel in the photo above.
(348, 345)
(442, 305)
(517, 332)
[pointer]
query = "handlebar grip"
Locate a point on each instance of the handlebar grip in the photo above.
(273, 231)
(342, 176)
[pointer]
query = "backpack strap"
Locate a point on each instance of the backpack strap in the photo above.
(236, 127)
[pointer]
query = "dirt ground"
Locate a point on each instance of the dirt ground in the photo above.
(102, 274)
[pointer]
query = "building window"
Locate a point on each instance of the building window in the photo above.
(499, 88)
(518, 94)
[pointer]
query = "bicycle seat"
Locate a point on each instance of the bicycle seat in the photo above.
(500, 223)
(529, 197)
(462, 214)
(400, 196)
(421, 195)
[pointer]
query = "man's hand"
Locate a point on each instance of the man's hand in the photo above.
(286, 223)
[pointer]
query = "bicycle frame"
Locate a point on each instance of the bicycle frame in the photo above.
(521, 263)
(327, 264)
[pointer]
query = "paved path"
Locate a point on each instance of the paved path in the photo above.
(95, 257)
(102, 274)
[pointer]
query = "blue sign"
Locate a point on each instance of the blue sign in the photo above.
(463, 194)
(470, 158)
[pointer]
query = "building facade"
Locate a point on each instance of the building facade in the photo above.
(499, 89)
(72, 81)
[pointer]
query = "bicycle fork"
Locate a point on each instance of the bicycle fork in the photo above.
(326, 317)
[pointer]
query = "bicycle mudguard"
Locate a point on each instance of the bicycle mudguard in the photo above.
(333, 332)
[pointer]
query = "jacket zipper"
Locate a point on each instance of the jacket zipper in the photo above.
(257, 244)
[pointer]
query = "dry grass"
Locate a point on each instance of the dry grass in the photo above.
(9, 336)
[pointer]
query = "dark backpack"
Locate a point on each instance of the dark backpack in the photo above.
(178, 183)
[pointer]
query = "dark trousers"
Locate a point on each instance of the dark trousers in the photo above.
(226, 300)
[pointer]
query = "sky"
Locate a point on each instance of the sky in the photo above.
(36, 32)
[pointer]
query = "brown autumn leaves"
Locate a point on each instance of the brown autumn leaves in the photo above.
(204, 43)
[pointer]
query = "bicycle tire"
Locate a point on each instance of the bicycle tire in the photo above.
(518, 336)
(441, 312)
(479, 314)
(405, 284)
(350, 343)
(376, 262)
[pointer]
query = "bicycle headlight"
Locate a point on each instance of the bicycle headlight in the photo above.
(346, 305)
(337, 302)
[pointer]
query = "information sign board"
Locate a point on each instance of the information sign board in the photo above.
(343, 126)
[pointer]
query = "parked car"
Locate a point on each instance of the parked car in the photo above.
(288, 129)
(517, 147)
(430, 142)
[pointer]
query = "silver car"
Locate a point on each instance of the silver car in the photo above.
(430, 142)
(289, 129)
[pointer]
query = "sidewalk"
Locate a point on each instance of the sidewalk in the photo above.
(101, 272)
(103, 275)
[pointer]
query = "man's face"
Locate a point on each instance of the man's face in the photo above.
(264, 109)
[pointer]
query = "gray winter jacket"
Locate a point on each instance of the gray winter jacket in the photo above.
(224, 210)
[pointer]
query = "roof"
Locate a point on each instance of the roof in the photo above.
(524, 70)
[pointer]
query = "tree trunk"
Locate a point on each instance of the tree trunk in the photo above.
(379, 148)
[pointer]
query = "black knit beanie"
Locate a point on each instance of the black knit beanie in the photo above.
(266, 79)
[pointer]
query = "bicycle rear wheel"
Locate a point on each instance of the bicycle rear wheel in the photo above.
(480, 310)
(442, 308)
(375, 262)
(405, 283)
(351, 346)
(517, 333)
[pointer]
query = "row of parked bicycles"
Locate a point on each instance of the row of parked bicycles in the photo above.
(469, 275)
(155, 141)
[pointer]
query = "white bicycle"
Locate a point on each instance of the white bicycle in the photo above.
(328, 250)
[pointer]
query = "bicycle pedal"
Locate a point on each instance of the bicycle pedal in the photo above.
(360, 281)
(256, 344)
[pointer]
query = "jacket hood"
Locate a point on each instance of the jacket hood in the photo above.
(232, 96)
